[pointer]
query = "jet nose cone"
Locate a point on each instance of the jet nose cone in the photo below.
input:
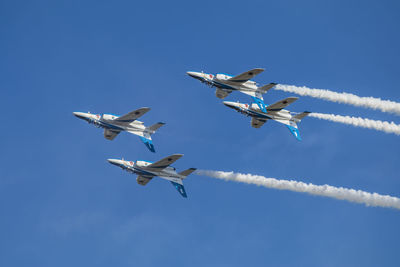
(229, 104)
(194, 74)
(116, 162)
(79, 114)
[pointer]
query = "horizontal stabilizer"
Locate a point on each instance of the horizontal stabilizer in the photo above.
(300, 116)
(187, 172)
(266, 88)
(153, 128)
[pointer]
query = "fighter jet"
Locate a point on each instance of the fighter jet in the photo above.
(225, 84)
(147, 170)
(113, 125)
(274, 112)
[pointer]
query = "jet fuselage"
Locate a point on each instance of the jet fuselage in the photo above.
(254, 111)
(221, 81)
(107, 121)
(140, 168)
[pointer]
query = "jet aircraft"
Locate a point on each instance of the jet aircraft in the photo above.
(147, 170)
(275, 112)
(225, 84)
(113, 125)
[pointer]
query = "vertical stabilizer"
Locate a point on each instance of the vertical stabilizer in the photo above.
(294, 130)
(180, 188)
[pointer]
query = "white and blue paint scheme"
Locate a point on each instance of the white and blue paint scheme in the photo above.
(225, 84)
(147, 170)
(113, 125)
(274, 112)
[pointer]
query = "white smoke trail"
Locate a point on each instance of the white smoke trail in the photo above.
(384, 126)
(346, 98)
(357, 196)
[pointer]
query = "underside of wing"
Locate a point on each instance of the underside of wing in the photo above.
(256, 123)
(110, 134)
(143, 180)
(281, 104)
(221, 93)
(245, 76)
(165, 162)
(133, 115)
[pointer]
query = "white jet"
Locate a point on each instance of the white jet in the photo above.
(147, 170)
(225, 84)
(274, 112)
(113, 125)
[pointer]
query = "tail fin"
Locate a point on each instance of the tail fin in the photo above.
(153, 128)
(293, 124)
(294, 130)
(260, 103)
(187, 172)
(148, 143)
(266, 88)
(180, 188)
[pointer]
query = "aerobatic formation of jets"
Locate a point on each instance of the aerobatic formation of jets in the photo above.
(259, 112)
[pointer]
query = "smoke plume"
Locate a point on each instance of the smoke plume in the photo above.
(356, 196)
(384, 126)
(346, 98)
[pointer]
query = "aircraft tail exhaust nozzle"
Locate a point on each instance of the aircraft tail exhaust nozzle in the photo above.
(148, 143)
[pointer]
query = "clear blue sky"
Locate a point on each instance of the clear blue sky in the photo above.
(62, 204)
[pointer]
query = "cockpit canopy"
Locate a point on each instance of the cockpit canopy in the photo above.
(221, 76)
(108, 117)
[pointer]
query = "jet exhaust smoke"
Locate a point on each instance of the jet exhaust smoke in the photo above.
(346, 98)
(356, 196)
(384, 126)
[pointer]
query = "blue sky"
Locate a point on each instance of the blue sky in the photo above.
(62, 204)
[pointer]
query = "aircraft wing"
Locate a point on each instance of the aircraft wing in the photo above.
(256, 123)
(133, 115)
(143, 180)
(110, 134)
(245, 76)
(165, 162)
(222, 93)
(281, 104)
